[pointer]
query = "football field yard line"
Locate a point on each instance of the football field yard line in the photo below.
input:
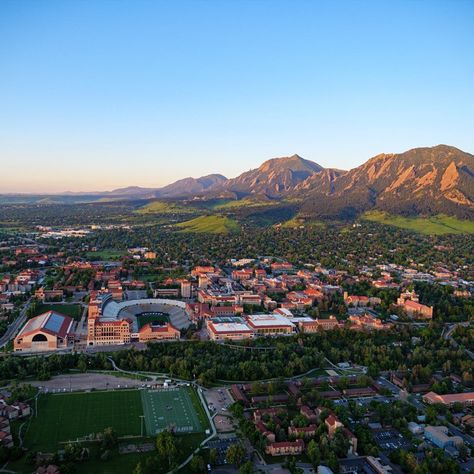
(170, 408)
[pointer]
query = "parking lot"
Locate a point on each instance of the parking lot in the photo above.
(221, 445)
(223, 423)
(87, 381)
(218, 400)
(390, 439)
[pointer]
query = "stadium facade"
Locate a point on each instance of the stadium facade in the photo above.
(112, 323)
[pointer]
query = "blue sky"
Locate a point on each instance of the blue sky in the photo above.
(106, 93)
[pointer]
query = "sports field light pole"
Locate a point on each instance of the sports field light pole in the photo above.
(141, 424)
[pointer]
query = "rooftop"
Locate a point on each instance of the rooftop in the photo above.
(268, 320)
(50, 322)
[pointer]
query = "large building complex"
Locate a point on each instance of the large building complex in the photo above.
(270, 324)
(465, 399)
(47, 332)
(410, 303)
(228, 328)
(112, 323)
(250, 326)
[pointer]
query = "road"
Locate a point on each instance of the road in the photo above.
(449, 332)
(15, 325)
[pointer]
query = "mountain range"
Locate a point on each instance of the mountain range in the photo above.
(421, 181)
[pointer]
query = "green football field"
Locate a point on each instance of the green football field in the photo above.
(170, 408)
(65, 417)
(68, 416)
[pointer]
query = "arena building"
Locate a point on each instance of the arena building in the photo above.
(47, 332)
(111, 323)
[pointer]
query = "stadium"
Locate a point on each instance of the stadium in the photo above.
(112, 322)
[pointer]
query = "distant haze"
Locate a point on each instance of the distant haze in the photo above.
(101, 95)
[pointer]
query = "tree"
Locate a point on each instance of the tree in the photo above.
(463, 451)
(235, 454)
(166, 447)
(300, 421)
(313, 453)
(213, 454)
(109, 438)
(246, 468)
(197, 464)
(82, 364)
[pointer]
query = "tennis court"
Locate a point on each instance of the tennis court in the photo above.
(170, 408)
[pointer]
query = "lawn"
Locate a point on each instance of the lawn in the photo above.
(161, 207)
(247, 202)
(171, 408)
(436, 225)
(301, 222)
(145, 318)
(73, 310)
(63, 417)
(210, 225)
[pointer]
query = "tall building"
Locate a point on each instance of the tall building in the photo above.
(186, 289)
(203, 282)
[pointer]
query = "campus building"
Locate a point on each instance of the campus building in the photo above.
(186, 289)
(112, 323)
(465, 399)
(153, 332)
(235, 328)
(285, 448)
(47, 332)
(270, 324)
(410, 303)
(438, 435)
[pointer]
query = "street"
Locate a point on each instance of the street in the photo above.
(15, 326)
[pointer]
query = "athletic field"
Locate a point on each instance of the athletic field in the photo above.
(170, 408)
(68, 416)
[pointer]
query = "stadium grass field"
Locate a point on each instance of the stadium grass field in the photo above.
(63, 417)
(171, 408)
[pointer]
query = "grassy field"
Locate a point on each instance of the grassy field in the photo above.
(247, 202)
(210, 225)
(170, 408)
(63, 417)
(73, 310)
(152, 318)
(436, 225)
(199, 409)
(298, 222)
(161, 207)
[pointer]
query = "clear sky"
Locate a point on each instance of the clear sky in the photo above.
(97, 94)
